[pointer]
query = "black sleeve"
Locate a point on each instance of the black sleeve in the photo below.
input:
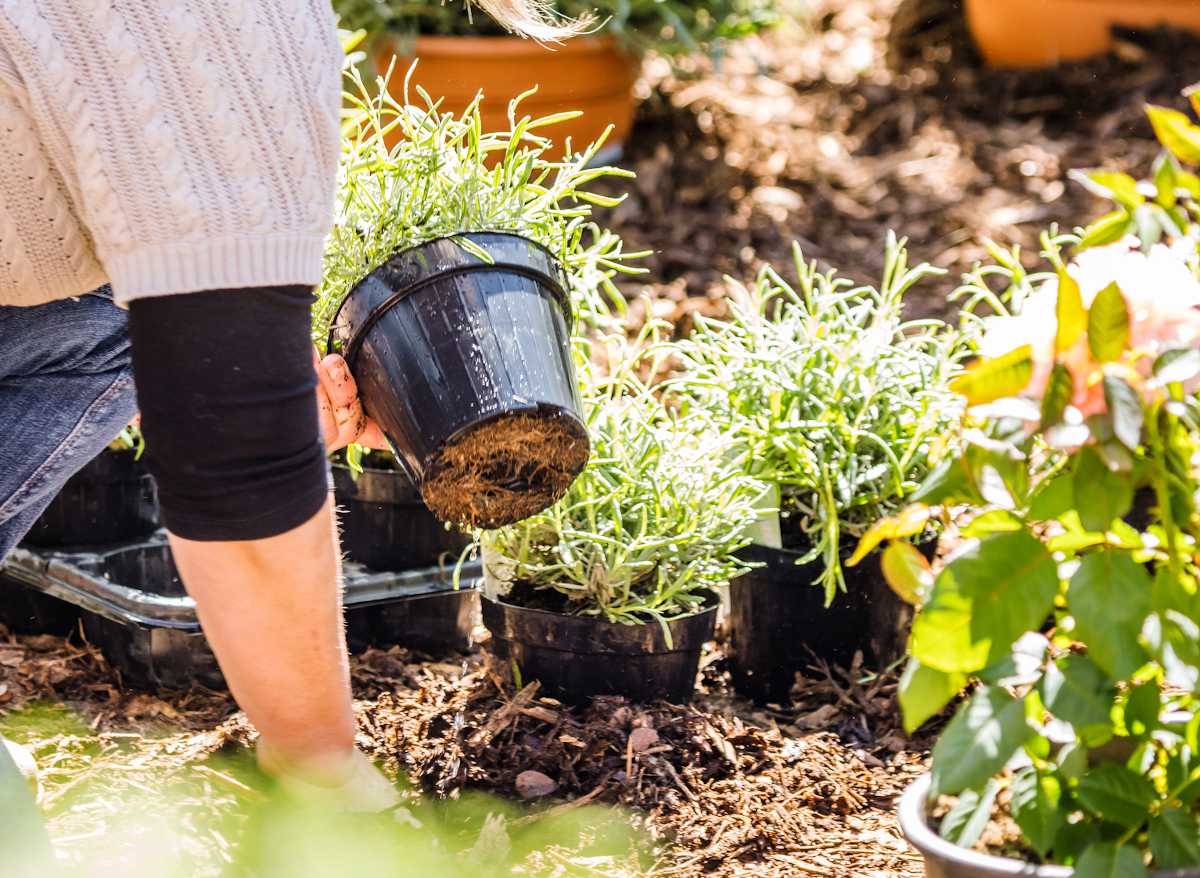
(226, 383)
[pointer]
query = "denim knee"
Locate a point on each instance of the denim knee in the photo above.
(90, 336)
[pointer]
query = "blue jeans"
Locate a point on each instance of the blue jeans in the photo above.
(66, 390)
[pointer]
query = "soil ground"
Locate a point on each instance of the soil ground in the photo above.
(875, 114)
(870, 115)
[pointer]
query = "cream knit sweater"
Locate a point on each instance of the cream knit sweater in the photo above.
(166, 146)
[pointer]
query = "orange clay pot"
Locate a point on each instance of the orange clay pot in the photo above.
(588, 73)
(1035, 33)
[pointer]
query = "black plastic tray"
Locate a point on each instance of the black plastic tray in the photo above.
(132, 606)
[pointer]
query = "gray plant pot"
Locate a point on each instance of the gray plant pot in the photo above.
(946, 860)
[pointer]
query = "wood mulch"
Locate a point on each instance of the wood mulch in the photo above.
(718, 788)
(870, 115)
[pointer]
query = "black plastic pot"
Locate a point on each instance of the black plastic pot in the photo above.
(946, 860)
(386, 526)
(444, 345)
(779, 621)
(111, 500)
(134, 608)
(577, 657)
(26, 610)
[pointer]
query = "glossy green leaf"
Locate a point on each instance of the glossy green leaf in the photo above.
(1121, 188)
(981, 738)
(1165, 183)
(909, 522)
(989, 380)
(1101, 495)
(1114, 793)
(1109, 860)
(1176, 132)
(907, 572)
(983, 601)
(1069, 311)
(1174, 641)
(1175, 839)
(1037, 807)
(1177, 364)
(1124, 410)
(1142, 709)
(1107, 230)
(1054, 496)
(924, 692)
(1109, 597)
(969, 816)
(994, 521)
(1077, 691)
(1059, 391)
(1108, 324)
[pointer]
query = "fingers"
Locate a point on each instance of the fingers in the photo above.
(338, 382)
(341, 413)
(372, 437)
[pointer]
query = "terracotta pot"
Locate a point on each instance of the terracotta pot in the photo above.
(1034, 33)
(590, 74)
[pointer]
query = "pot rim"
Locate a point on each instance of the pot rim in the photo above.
(561, 288)
(911, 815)
(712, 606)
(509, 45)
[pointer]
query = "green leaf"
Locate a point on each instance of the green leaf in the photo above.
(1177, 364)
(1175, 839)
(907, 571)
(990, 380)
(1059, 392)
(1106, 230)
(1077, 691)
(969, 816)
(1121, 188)
(981, 738)
(1142, 709)
(1124, 411)
(1055, 496)
(1109, 597)
(1101, 495)
(1174, 640)
(983, 601)
(909, 522)
(1109, 860)
(1165, 183)
(1037, 807)
(1069, 310)
(949, 482)
(994, 521)
(1176, 132)
(1108, 324)
(1116, 794)
(924, 692)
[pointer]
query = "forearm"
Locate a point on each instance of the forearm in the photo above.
(271, 610)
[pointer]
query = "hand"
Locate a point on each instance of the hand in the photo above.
(343, 421)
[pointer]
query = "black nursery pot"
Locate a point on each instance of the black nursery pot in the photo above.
(466, 366)
(779, 621)
(111, 500)
(577, 657)
(385, 524)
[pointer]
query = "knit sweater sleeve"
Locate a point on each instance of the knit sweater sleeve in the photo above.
(184, 144)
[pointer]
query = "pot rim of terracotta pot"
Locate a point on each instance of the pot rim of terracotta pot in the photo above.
(513, 46)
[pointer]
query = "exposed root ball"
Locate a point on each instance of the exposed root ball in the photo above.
(506, 470)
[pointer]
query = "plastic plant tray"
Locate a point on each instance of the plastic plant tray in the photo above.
(132, 605)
